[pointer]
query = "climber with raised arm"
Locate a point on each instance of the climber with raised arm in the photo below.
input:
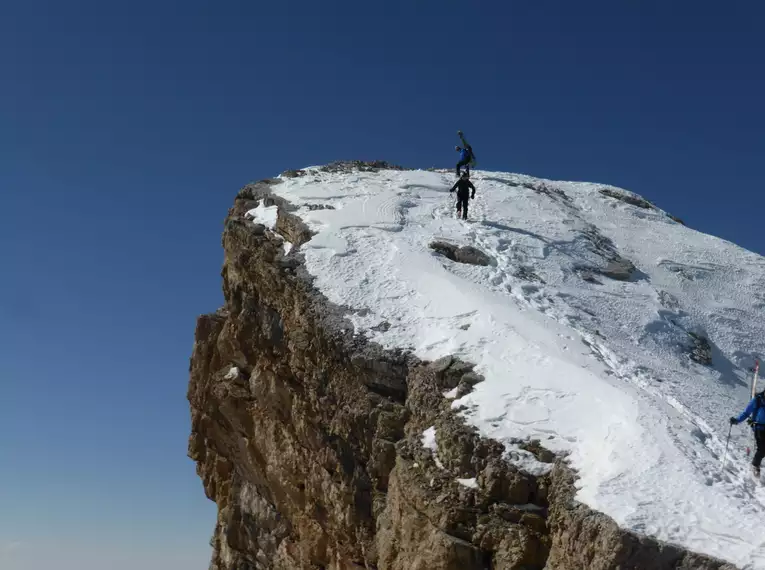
(463, 187)
(467, 157)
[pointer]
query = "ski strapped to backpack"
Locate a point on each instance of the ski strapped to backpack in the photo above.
(759, 403)
(754, 378)
(759, 398)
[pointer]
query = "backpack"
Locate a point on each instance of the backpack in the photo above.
(759, 403)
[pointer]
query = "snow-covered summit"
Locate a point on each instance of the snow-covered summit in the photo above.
(603, 327)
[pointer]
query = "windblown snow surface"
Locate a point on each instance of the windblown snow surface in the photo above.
(597, 369)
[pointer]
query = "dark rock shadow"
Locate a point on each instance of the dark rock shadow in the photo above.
(730, 374)
(502, 181)
(667, 326)
(503, 227)
(638, 275)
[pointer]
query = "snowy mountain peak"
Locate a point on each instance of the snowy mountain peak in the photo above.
(602, 327)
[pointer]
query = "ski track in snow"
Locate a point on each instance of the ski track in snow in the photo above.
(594, 370)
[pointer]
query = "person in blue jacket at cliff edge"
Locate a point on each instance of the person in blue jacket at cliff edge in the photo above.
(467, 157)
(755, 412)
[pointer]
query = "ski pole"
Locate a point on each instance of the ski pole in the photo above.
(725, 455)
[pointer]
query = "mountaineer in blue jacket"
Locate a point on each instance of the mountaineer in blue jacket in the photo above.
(466, 155)
(755, 411)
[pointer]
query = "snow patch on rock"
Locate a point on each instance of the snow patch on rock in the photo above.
(429, 442)
(266, 215)
(470, 483)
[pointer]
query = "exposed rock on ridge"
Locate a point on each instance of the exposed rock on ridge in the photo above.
(461, 254)
(308, 438)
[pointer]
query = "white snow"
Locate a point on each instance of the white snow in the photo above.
(451, 394)
(265, 215)
(471, 483)
(598, 371)
(429, 439)
(429, 442)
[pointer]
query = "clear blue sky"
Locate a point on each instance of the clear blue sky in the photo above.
(127, 127)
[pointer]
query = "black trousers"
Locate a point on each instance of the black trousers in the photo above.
(466, 164)
(759, 439)
(462, 204)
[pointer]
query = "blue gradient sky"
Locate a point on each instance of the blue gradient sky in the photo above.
(127, 127)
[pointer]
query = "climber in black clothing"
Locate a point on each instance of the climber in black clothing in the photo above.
(463, 187)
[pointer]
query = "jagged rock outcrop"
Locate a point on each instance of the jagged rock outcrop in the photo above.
(615, 266)
(631, 199)
(619, 269)
(635, 200)
(583, 538)
(347, 166)
(701, 351)
(309, 439)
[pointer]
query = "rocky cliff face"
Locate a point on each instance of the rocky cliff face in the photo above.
(309, 440)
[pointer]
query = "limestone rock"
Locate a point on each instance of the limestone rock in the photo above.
(620, 269)
(582, 538)
(461, 254)
(676, 219)
(631, 199)
(701, 351)
(308, 439)
(360, 165)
